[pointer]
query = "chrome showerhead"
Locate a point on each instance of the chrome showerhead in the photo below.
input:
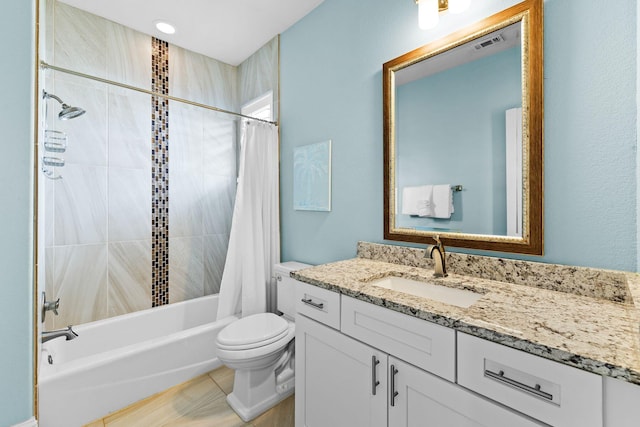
(68, 112)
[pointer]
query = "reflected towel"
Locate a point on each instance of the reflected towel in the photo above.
(442, 201)
(414, 198)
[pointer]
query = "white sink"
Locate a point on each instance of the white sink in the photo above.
(458, 297)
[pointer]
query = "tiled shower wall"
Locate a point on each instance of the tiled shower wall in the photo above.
(99, 216)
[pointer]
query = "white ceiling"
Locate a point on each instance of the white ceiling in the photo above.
(227, 30)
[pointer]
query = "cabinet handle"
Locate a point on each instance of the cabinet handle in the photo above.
(309, 301)
(374, 381)
(533, 390)
(394, 393)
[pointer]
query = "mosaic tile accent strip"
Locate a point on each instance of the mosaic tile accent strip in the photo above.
(159, 173)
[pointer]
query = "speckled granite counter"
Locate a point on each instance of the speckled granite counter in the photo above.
(585, 318)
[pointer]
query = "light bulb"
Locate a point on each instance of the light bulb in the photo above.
(458, 6)
(165, 27)
(427, 14)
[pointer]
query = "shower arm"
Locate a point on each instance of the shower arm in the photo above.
(47, 95)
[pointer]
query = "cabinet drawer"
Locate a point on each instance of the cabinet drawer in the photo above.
(543, 389)
(421, 343)
(319, 304)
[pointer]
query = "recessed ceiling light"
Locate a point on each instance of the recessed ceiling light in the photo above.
(165, 27)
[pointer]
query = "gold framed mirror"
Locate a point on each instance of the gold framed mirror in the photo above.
(463, 136)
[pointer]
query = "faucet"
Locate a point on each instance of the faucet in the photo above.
(66, 332)
(440, 266)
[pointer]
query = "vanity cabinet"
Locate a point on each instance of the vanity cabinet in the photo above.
(342, 381)
(336, 379)
(551, 392)
(426, 400)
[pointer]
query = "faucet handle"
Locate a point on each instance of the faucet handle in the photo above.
(52, 306)
(49, 306)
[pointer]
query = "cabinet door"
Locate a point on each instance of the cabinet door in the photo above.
(425, 400)
(335, 379)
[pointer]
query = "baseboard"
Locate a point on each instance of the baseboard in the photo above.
(31, 422)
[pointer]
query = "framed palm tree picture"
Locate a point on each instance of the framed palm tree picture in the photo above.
(312, 177)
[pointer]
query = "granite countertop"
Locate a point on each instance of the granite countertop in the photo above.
(595, 334)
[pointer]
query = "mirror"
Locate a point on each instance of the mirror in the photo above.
(463, 137)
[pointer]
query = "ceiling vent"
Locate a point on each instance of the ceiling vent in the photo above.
(489, 42)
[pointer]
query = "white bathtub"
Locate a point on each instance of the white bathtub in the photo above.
(118, 361)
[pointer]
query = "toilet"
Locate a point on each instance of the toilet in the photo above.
(260, 348)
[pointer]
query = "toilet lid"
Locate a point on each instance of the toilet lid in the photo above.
(253, 331)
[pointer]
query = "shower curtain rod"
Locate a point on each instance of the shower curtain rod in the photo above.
(44, 65)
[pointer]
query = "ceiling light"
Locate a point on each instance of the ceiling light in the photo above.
(165, 27)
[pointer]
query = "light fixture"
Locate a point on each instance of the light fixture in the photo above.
(429, 10)
(165, 27)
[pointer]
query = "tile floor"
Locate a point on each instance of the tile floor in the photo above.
(200, 402)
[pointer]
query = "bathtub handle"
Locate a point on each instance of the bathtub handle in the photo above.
(309, 301)
(48, 306)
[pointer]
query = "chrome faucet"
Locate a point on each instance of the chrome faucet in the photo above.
(66, 332)
(440, 263)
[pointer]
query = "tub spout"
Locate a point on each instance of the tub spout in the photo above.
(66, 332)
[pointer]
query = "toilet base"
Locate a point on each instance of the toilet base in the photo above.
(254, 392)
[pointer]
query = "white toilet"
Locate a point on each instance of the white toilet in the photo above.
(260, 348)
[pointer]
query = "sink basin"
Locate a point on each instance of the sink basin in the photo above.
(458, 297)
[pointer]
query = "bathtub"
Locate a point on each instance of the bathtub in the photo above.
(118, 361)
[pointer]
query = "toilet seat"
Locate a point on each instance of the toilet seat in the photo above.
(253, 332)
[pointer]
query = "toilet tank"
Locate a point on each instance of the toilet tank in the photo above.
(286, 286)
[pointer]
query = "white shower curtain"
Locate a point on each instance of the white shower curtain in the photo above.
(247, 284)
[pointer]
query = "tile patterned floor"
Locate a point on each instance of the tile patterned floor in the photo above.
(200, 402)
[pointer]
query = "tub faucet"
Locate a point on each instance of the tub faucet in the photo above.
(66, 332)
(439, 259)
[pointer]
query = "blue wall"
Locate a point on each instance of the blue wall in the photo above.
(16, 211)
(451, 129)
(332, 89)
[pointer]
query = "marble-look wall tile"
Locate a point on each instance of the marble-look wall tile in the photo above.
(80, 41)
(48, 285)
(129, 273)
(48, 209)
(80, 281)
(185, 138)
(219, 148)
(129, 130)
(129, 204)
(48, 34)
(201, 79)
(258, 74)
(215, 255)
(218, 201)
(128, 55)
(186, 268)
(185, 204)
(80, 206)
(87, 134)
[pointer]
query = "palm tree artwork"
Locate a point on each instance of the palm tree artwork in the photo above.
(312, 177)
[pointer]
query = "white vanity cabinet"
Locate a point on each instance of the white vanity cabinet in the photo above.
(338, 382)
(366, 379)
(425, 400)
(554, 393)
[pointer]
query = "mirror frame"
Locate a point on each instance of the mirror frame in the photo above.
(529, 13)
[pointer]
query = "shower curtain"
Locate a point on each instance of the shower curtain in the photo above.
(247, 285)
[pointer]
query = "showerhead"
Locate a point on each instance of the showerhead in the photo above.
(68, 112)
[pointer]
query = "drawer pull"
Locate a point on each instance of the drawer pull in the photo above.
(374, 381)
(533, 390)
(309, 301)
(394, 393)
